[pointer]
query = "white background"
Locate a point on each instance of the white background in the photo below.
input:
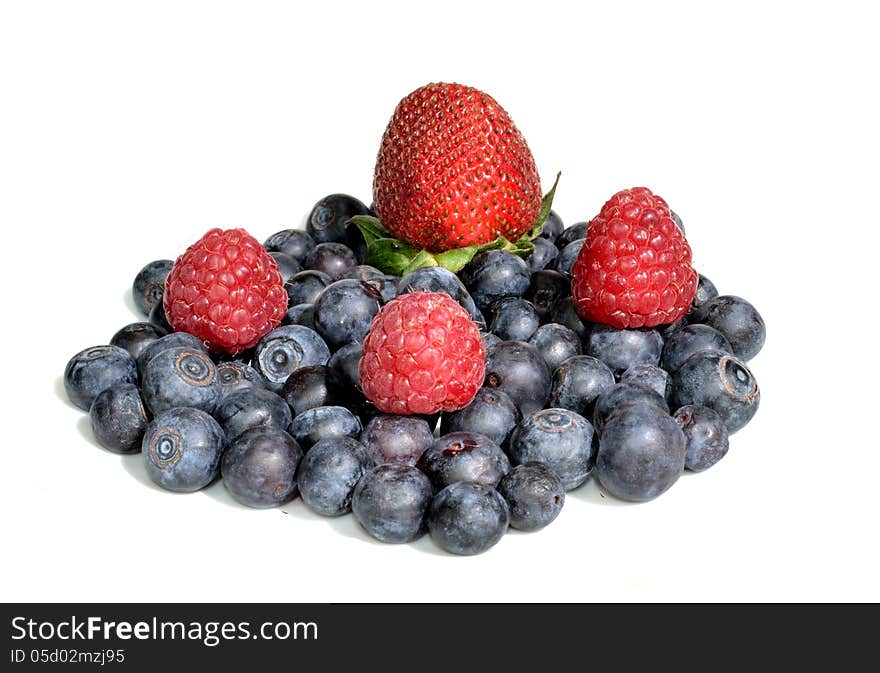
(128, 129)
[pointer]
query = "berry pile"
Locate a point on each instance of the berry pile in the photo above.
(454, 391)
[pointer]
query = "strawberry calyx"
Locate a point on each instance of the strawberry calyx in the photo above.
(391, 255)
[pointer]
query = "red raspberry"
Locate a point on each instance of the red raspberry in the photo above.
(635, 268)
(423, 354)
(226, 290)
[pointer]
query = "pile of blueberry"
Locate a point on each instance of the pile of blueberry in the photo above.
(562, 398)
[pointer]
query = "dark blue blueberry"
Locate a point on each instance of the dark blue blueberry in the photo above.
(137, 337)
(345, 310)
(329, 472)
(354, 239)
(544, 254)
(566, 313)
(518, 369)
(259, 467)
(514, 319)
(641, 453)
(620, 349)
(291, 242)
(534, 494)
(721, 382)
(158, 317)
(546, 290)
(464, 456)
(489, 340)
(737, 320)
(578, 381)
(305, 287)
(690, 339)
(301, 314)
(318, 423)
(182, 448)
(649, 376)
(556, 343)
(677, 220)
(568, 257)
(397, 439)
(553, 227)
(621, 396)
(315, 386)
(252, 408)
(181, 377)
(390, 502)
(287, 265)
(149, 285)
(334, 259)
(118, 418)
(95, 369)
(666, 330)
(346, 361)
(438, 279)
(494, 274)
(284, 350)
(236, 376)
(575, 232)
(468, 518)
(559, 438)
(326, 222)
(705, 434)
(705, 291)
(173, 340)
(491, 413)
(363, 272)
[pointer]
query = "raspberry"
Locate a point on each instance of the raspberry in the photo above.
(635, 268)
(226, 290)
(423, 354)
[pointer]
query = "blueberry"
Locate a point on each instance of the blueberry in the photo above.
(149, 285)
(287, 265)
(158, 318)
(518, 369)
(620, 349)
(559, 438)
(489, 340)
(118, 418)
(345, 310)
(354, 239)
(705, 291)
(491, 413)
(286, 349)
(390, 502)
(252, 408)
(334, 259)
(721, 382)
(236, 376)
(315, 386)
(556, 343)
(677, 220)
(649, 376)
(173, 340)
(568, 257)
(318, 423)
(578, 381)
(181, 377)
(95, 369)
(305, 287)
(737, 320)
(136, 337)
(464, 456)
(534, 494)
(182, 448)
(690, 339)
(346, 361)
(397, 439)
(438, 279)
(705, 434)
(575, 232)
(514, 319)
(624, 395)
(641, 453)
(300, 314)
(329, 472)
(259, 467)
(553, 227)
(566, 313)
(544, 254)
(494, 274)
(546, 290)
(326, 222)
(668, 329)
(291, 242)
(468, 518)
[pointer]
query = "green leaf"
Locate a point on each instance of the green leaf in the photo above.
(422, 258)
(370, 227)
(544, 212)
(390, 255)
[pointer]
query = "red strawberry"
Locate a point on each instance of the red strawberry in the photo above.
(635, 268)
(454, 171)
